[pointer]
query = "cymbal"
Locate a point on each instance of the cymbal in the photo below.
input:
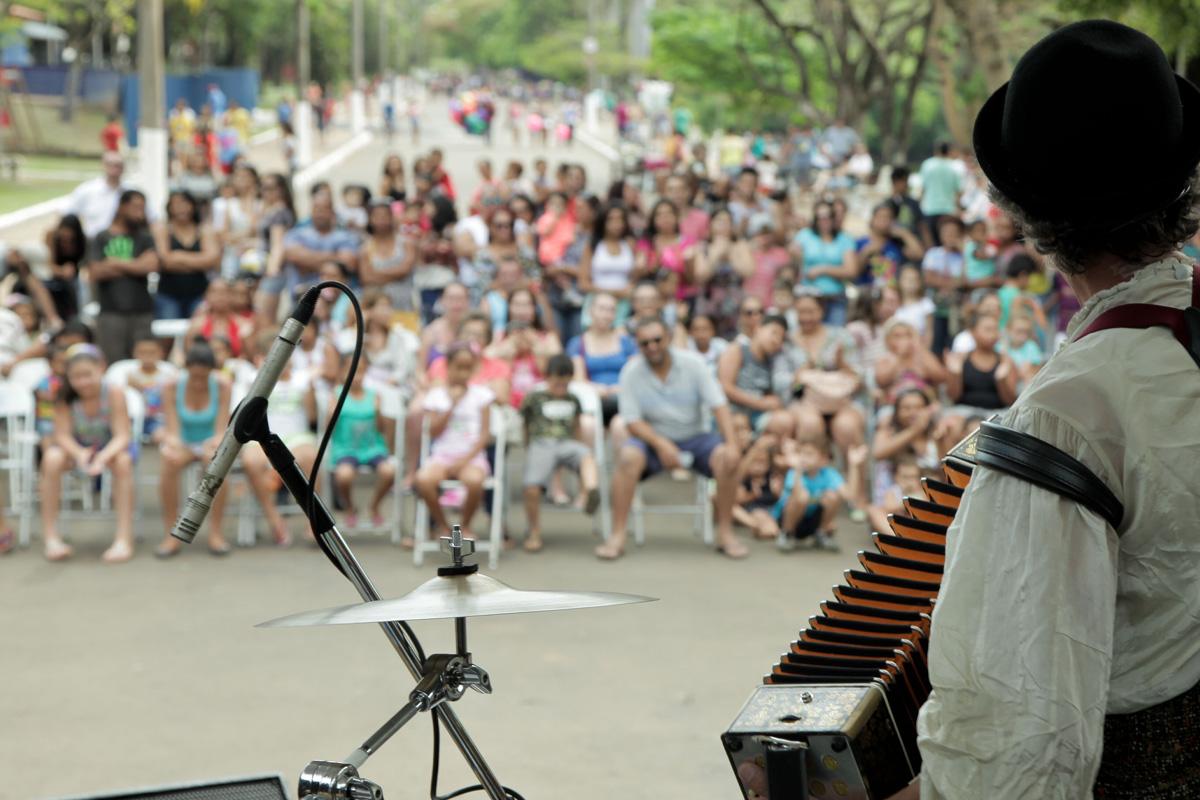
(452, 596)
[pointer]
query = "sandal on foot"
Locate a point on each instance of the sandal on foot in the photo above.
(220, 550)
(281, 536)
(533, 545)
(117, 553)
(58, 551)
(593, 501)
(606, 552)
(735, 549)
(168, 550)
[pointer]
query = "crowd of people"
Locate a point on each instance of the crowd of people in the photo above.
(732, 318)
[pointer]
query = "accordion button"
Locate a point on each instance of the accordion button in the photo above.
(840, 788)
(830, 763)
(816, 788)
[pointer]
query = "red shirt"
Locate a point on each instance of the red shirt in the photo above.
(110, 137)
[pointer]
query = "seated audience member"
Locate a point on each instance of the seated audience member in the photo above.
(879, 306)
(526, 346)
(188, 252)
(906, 482)
(437, 336)
(1015, 296)
(944, 271)
(722, 262)
(911, 430)
(768, 258)
(20, 332)
(980, 257)
(67, 248)
(459, 432)
(702, 340)
(600, 352)
(824, 382)
(609, 264)
(46, 394)
(18, 278)
(290, 415)
(987, 306)
(560, 282)
(1021, 345)
(813, 493)
(151, 378)
(668, 255)
(758, 488)
(756, 377)
(663, 399)
(216, 317)
(509, 278)
(361, 438)
(886, 246)
(982, 382)
(553, 428)
(388, 258)
(195, 411)
(389, 348)
(92, 434)
(905, 362)
(828, 261)
(915, 306)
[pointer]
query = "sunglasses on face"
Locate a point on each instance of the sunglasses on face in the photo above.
(647, 342)
(751, 312)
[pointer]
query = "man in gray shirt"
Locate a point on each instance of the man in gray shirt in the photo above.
(662, 397)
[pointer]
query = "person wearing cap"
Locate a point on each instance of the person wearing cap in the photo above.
(1065, 655)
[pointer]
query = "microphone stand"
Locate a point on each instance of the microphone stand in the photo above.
(251, 426)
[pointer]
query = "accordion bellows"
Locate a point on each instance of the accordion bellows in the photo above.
(836, 717)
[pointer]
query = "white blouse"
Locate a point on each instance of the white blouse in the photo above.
(1046, 621)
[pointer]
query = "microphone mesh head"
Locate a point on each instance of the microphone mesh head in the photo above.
(185, 530)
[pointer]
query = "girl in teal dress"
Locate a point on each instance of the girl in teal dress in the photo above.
(360, 439)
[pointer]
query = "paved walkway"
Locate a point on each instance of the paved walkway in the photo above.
(151, 673)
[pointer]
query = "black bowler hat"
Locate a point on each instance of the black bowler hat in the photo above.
(1095, 127)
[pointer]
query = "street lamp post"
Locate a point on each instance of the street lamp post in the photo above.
(152, 112)
(304, 111)
(358, 110)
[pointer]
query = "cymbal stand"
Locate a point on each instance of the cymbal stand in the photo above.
(341, 781)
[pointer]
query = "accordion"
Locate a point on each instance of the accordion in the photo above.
(836, 717)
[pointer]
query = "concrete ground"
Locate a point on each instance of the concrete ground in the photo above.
(152, 673)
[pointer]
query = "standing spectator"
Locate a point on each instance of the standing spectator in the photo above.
(941, 186)
(217, 102)
(944, 270)
(886, 246)
(91, 434)
(195, 410)
(663, 399)
(120, 262)
(181, 123)
(305, 249)
(112, 134)
(188, 252)
(393, 185)
(235, 219)
(905, 208)
(67, 246)
(277, 218)
(827, 257)
(196, 179)
(553, 429)
(94, 202)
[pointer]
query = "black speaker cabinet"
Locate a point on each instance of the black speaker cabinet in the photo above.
(265, 787)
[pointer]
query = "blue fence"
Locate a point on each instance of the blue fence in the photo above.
(238, 84)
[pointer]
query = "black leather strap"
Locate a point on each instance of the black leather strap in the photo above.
(1030, 459)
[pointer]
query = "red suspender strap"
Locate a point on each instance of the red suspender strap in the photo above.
(1183, 323)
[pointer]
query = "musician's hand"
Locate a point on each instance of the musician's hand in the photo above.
(753, 778)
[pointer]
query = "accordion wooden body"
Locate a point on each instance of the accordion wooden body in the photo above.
(836, 716)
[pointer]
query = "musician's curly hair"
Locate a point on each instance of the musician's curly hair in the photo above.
(1072, 244)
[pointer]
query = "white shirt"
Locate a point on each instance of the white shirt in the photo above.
(95, 203)
(1046, 620)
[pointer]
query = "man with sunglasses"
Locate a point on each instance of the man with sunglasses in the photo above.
(663, 397)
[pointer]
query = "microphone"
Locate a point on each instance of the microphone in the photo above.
(201, 500)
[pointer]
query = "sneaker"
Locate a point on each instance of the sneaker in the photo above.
(823, 541)
(857, 515)
(784, 543)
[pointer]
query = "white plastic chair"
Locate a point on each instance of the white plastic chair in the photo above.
(29, 373)
(496, 483)
(77, 485)
(701, 511)
(17, 445)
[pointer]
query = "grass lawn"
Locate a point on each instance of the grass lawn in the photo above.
(15, 196)
(64, 163)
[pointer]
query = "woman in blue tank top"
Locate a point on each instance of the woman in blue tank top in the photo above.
(195, 410)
